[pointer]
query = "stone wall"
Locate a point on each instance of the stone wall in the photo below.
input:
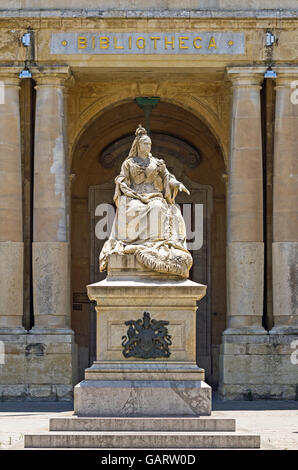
(256, 367)
(37, 367)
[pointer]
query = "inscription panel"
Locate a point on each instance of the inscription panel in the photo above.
(148, 43)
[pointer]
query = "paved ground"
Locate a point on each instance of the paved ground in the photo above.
(275, 421)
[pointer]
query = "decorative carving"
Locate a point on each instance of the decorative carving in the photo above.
(146, 338)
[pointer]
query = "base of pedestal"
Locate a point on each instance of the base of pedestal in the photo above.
(143, 398)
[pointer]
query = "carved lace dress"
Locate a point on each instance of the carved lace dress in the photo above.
(147, 221)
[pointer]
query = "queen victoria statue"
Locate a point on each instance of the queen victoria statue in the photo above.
(145, 307)
(148, 223)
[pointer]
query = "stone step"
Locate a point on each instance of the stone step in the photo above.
(74, 423)
(141, 439)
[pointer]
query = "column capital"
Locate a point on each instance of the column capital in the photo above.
(286, 75)
(246, 77)
(55, 76)
(10, 75)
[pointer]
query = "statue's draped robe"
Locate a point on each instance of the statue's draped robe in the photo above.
(147, 221)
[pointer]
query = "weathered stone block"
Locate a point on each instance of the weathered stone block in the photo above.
(41, 393)
(13, 392)
(13, 370)
(37, 367)
(246, 338)
(267, 370)
(258, 369)
(142, 398)
(233, 348)
(258, 392)
(52, 368)
(64, 392)
(196, 424)
(259, 349)
(285, 280)
(48, 337)
(245, 284)
(50, 289)
(11, 291)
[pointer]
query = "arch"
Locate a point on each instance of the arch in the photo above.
(203, 111)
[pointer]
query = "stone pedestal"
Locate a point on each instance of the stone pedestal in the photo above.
(134, 386)
(130, 402)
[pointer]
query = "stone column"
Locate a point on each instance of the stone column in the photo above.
(50, 348)
(51, 273)
(254, 363)
(245, 349)
(245, 247)
(285, 203)
(11, 222)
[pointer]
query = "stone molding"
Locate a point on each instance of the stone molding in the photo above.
(10, 75)
(285, 75)
(71, 13)
(246, 77)
(36, 330)
(59, 76)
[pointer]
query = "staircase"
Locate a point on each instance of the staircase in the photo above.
(142, 433)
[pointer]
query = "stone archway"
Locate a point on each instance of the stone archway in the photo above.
(207, 100)
(192, 153)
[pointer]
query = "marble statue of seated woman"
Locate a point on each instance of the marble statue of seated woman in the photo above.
(148, 223)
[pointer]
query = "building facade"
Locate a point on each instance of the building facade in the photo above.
(74, 84)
